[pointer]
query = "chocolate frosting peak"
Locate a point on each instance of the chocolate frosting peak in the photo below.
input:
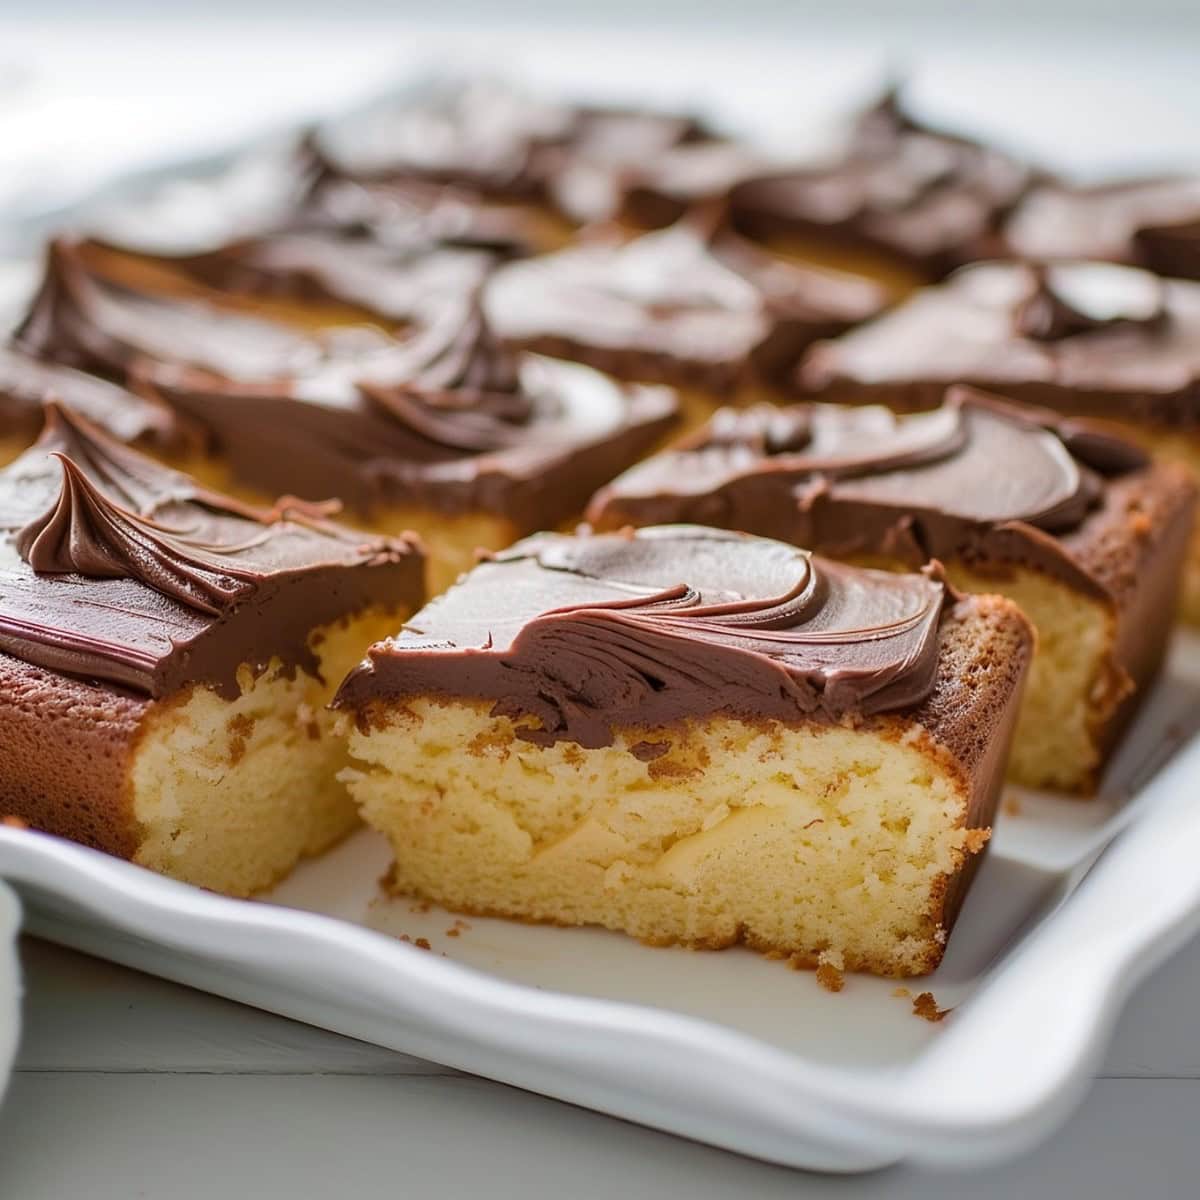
(115, 568)
(600, 632)
(444, 417)
(464, 389)
(85, 533)
(1062, 305)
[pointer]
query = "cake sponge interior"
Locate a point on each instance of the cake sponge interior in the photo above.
(230, 795)
(813, 841)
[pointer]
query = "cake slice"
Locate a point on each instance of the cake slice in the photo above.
(696, 737)
(27, 385)
(440, 429)
(897, 199)
(166, 657)
(1075, 525)
(1152, 223)
(1086, 339)
(695, 306)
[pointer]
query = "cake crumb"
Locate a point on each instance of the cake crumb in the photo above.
(925, 1007)
(11, 822)
(830, 970)
(976, 839)
(901, 993)
(830, 978)
(452, 932)
(1012, 806)
(422, 944)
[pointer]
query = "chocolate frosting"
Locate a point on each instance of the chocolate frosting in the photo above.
(412, 213)
(115, 568)
(1050, 312)
(26, 385)
(85, 533)
(503, 143)
(691, 303)
(445, 417)
(1152, 223)
(897, 186)
(588, 174)
(478, 133)
(591, 634)
(1112, 341)
(977, 479)
(398, 283)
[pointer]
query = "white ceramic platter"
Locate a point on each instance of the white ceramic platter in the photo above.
(10, 982)
(1074, 903)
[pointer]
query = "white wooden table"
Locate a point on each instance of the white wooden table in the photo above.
(127, 1086)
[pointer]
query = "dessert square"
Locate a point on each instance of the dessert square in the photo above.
(565, 163)
(166, 659)
(311, 244)
(27, 385)
(439, 429)
(1152, 223)
(897, 199)
(695, 737)
(1075, 525)
(1084, 339)
(694, 305)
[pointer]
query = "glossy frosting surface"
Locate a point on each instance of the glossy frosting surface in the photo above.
(1108, 340)
(693, 297)
(589, 633)
(443, 415)
(117, 569)
(1153, 223)
(898, 185)
(976, 478)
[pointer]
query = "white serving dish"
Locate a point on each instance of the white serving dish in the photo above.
(1075, 903)
(10, 982)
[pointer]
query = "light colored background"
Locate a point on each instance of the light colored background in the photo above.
(128, 1086)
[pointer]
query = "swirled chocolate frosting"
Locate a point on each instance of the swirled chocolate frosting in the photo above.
(115, 568)
(386, 249)
(502, 143)
(1151, 223)
(590, 633)
(445, 417)
(920, 195)
(479, 133)
(976, 479)
(27, 384)
(1090, 338)
(694, 303)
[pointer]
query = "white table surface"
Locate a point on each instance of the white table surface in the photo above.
(127, 1086)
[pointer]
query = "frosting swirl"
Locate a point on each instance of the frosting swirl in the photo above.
(973, 473)
(602, 632)
(464, 387)
(690, 300)
(115, 568)
(1063, 304)
(445, 416)
(1150, 222)
(895, 185)
(86, 533)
